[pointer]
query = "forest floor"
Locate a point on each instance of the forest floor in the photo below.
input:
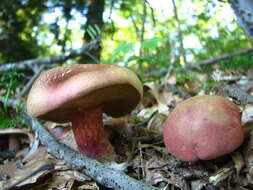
(138, 145)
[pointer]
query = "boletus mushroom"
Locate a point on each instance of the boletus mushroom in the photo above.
(80, 94)
(203, 128)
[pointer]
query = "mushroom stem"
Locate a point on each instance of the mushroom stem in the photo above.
(87, 125)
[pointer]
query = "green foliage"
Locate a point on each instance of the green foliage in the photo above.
(17, 35)
(8, 120)
(146, 41)
(210, 83)
(152, 43)
(121, 50)
(94, 32)
(184, 76)
(9, 81)
(242, 62)
(136, 118)
(223, 1)
(152, 56)
(5, 120)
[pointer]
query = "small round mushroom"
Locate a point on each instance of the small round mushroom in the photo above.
(203, 127)
(80, 94)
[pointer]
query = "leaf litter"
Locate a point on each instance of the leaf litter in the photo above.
(137, 140)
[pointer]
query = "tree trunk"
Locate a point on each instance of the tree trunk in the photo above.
(94, 17)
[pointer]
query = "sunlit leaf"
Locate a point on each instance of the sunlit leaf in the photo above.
(122, 48)
(151, 43)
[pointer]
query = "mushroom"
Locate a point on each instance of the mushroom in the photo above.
(80, 94)
(203, 127)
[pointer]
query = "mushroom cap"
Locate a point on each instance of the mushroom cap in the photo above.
(61, 90)
(203, 127)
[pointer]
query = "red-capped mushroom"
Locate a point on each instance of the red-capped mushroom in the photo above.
(203, 127)
(80, 94)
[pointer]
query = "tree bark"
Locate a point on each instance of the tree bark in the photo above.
(94, 18)
(29, 64)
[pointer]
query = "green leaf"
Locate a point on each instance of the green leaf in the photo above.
(94, 32)
(133, 58)
(151, 43)
(5, 121)
(9, 81)
(122, 48)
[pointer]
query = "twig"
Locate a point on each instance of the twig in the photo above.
(240, 96)
(143, 173)
(180, 34)
(218, 58)
(29, 84)
(146, 139)
(92, 57)
(152, 13)
(23, 65)
(155, 73)
(170, 71)
(208, 61)
(99, 172)
(142, 32)
(178, 91)
(137, 30)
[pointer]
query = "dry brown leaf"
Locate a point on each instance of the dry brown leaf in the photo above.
(248, 149)
(198, 184)
(162, 150)
(156, 123)
(238, 160)
(89, 186)
(161, 102)
(66, 179)
(40, 158)
(154, 170)
(119, 125)
(9, 168)
(17, 137)
(221, 175)
(146, 113)
(168, 97)
(247, 114)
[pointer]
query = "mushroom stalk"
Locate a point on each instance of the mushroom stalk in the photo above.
(87, 125)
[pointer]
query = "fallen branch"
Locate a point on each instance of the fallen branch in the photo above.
(178, 91)
(200, 63)
(101, 173)
(218, 58)
(240, 95)
(23, 65)
(28, 85)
